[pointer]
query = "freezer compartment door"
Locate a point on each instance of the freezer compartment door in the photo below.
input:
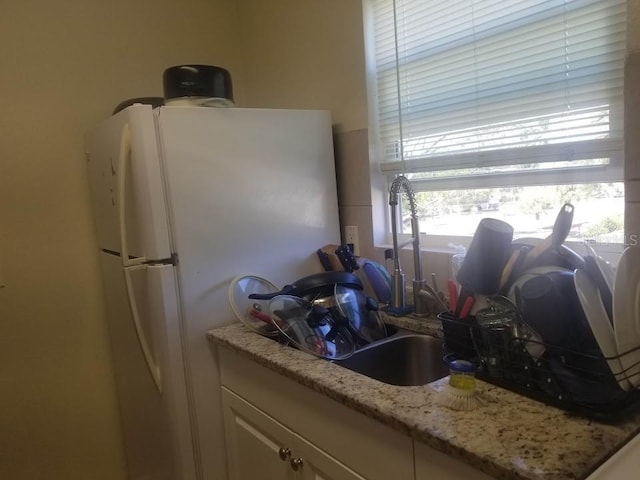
(251, 191)
(143, 318)
(126, 185)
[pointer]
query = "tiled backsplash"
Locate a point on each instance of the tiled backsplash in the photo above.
(354, 185)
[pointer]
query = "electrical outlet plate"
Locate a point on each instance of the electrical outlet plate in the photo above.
(351, 237)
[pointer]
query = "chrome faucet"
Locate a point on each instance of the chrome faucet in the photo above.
(397, 279)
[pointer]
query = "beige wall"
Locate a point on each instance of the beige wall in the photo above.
(64, 66)
(305, 54)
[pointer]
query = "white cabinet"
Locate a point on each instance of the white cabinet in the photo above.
(625, 463)
(258, 446)
(434, 465)
(333, 441)
(268, 416)
(320, 466)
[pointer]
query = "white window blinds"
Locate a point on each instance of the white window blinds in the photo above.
(512, 91)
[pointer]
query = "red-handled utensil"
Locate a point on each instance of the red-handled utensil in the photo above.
(259, 315)
(466, 307)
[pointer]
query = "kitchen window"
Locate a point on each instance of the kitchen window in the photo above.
(503, 108)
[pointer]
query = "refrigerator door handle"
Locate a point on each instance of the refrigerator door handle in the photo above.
(154, 370)
(123, 164)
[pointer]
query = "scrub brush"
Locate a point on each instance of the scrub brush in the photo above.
(460, 392)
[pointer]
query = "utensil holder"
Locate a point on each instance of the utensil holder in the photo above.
(461, 337)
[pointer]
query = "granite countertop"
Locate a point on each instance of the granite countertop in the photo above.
(508, 437)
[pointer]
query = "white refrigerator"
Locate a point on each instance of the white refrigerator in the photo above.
(185, 199)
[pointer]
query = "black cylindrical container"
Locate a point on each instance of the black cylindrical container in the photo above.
(487, 255)
(200, 84)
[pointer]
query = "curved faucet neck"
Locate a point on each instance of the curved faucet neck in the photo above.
(403, 183)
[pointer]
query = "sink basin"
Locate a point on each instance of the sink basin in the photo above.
(408, 359)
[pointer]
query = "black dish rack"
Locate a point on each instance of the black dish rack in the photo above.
(580, 382)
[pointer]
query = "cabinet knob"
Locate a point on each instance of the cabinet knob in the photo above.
(296, 464)
(284, 453)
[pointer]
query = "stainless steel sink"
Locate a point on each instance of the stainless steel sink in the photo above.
(404, 359)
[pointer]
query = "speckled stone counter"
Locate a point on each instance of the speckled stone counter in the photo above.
(509, 437)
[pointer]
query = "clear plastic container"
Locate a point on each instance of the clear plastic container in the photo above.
(457, 259)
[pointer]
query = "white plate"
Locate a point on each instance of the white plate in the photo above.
(626, 311)
(600, 326)
(605, 267)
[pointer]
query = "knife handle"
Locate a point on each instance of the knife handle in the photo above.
(348, 261)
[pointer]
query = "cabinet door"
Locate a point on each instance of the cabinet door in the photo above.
(257, 446)
(366, 446)
(434, 465)
(317, 465)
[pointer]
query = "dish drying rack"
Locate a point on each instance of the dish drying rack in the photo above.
(509, 357)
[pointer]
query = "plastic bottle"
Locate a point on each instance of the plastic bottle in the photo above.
(459, 252)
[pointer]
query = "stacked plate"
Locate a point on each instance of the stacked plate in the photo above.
(611, 302)
(601, 328)
(626, 313)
